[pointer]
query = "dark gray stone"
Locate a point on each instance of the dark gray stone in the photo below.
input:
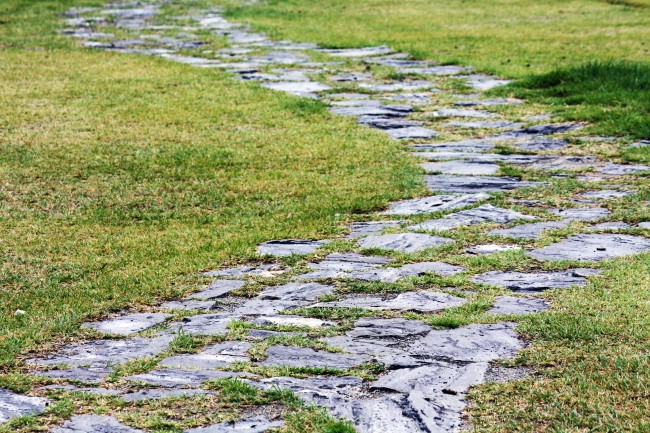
(540, 130)
(461, 167)
(411, 132)
(581, 214)
(384, 122)
(480, 124)
(94, 424)
(254, 425)
(529, 231)
(178, 378)
(412, 301)
(474, 184)
(102, 353)
(129, 324)
(434, 203)
(592, 247)
(623, 169)
(361, 229)
(478, 215)
(215, 356)
(513, 305)
(373, 110)
(297, 292)
(533, 282)
(218, 289)
(80, 374)
(388, 328)
(157, 394)
(306, 357)
(403, 242)
(475, 343)
(14, 405)
(289, 247)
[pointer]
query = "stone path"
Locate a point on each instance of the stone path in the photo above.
(427, 371)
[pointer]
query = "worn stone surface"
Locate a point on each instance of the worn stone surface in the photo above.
(384, 122)
(411, 132)
(478, 215)
(361, 229)
(484, 124)
(513, 305)
(243, 271)
(289, 247)
(14, 405)
(541, 144)
(187, 304)
(529, 231)
(623, 169)
(610, 226)
(94, 424)
(357, 52)
(592, 247)
(459, 112)
(297, 292)
(206, 324)
(129, 324)
(492, 248)
(306, 357)
(388, 328)
(399, 86)
(475, 184)
(473, 145)
(461, 167)
(80, 374)
(532, 282)
(488, 102)
(253, 425)
(297, 87)
(475, 343)
(157, 394)
(434, 203)
(413, 301)
(217, 355)
(644, 225)
(179, 378)
(484, 82)
(606, 194)
(73, 388)
(541, 130)
(581, 214)
(403, 242)
(218, 289)
(373, 109)
(258, 306)
(286, 320)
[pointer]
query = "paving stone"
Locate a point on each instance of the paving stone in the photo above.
(435, 70)
(434, 203)
(489, 102)
(641, 143)
(485, 157)
(412, 98)
(297, 87)
(461, 167)
(541, 144)
(350, 262)
(388, 328)
(265, 334)
(345, 77)
(206, 324)
(412, 301)
(540, 130)
(14, 405)
(475, 343)
(73, 388)
(411, 132)
(129, 324)
(397, 86)
(288, 247)
(533, 282)
(474, 145)
(480, 124)
(94, 424)
(287, 320)
(218, 289)
(610, 226)
(214, 356)
(297, 291)
(382, 414)
(514, 305)
(254, 425)
(102, 353)
(383, 122)
(457, 112)
(484, 82)
(475, 184)
(357, 52)
(538, 117)
(492, 248)
(565, 163)
(157, 394)
(244, 271)
(403, 242)
(80, 374)
(361, 229)
(644, 225)
(179, 378)
(592, 247)
(258, 306)
(478, 215)
(607, 194)
(306, 357)
(372, 110)
(529, 231)
(623, 169)
(187, 304)
(581, 214)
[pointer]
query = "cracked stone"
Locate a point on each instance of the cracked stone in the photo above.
(157, 394)
(291, 321)
(533, 282)
(529, 231)
(474, 145)
(14, 405)
(411, 301)
(129, 324)
(373, 110)
(215, 356)
(288, 247)
(218, 289)
(592, 247)
(80, 374)
(581, 214)
(187, 304)
(403, 242)
(541, 144)
(206, 324)
(253, 425)
(544, 129)
(306, 357)
(411, 132)
(514, 305)
(434, 203)
(492, 248)
(399, 86)
(456, 112)
(473, 184)
(383, 122)
(475, 343)
(178, 378)
(243, 271)
(607, 194)
(361, 229)
(383, 414)
(257, 306)
(388, 328)
(297, 292)
(461, 167)
(623, 169)
(94, 424)
(95, 391)
(478, 215)
(492, 124)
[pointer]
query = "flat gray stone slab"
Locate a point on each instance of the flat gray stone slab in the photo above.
(286, 320)
(592, 247)
(258, 306)
(383, 122)
(253, 425)
(372, 109)
(388, 328)
(514, 305)
(435, 70)
(73, 388)
(81, 374)
(409, 86)
(606, 194)
(411, 132)
(358, 52)
(623, 169)
(382, 414)
(290, 247)
(644, 225)
(533, 282)
(411, 301)
(218, 289)
(297, 87)
(581, 214)
(488, 102)
(361, 229)
(14, 405)
(474, 145)
(541, 144)
(529, 231)
(179, 378)
(206, 324)
(460, 112)
(434, 203)
(461, 167)
(244, 271)
(492, 248)
(403, 242)
(475, 343)
(157, 394)
(94, 424)
(187, 304)
(215, 356)
(346, 77)
(475, 184)
(641, 143)
(485, 124)
(297, 292)
(541, 130)
(484, 82)
(380, 349)
(350, 262)
(102, 353)
(129, 324)
(610, 226)
(327, 391)
(478, 215)
(306, 357)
